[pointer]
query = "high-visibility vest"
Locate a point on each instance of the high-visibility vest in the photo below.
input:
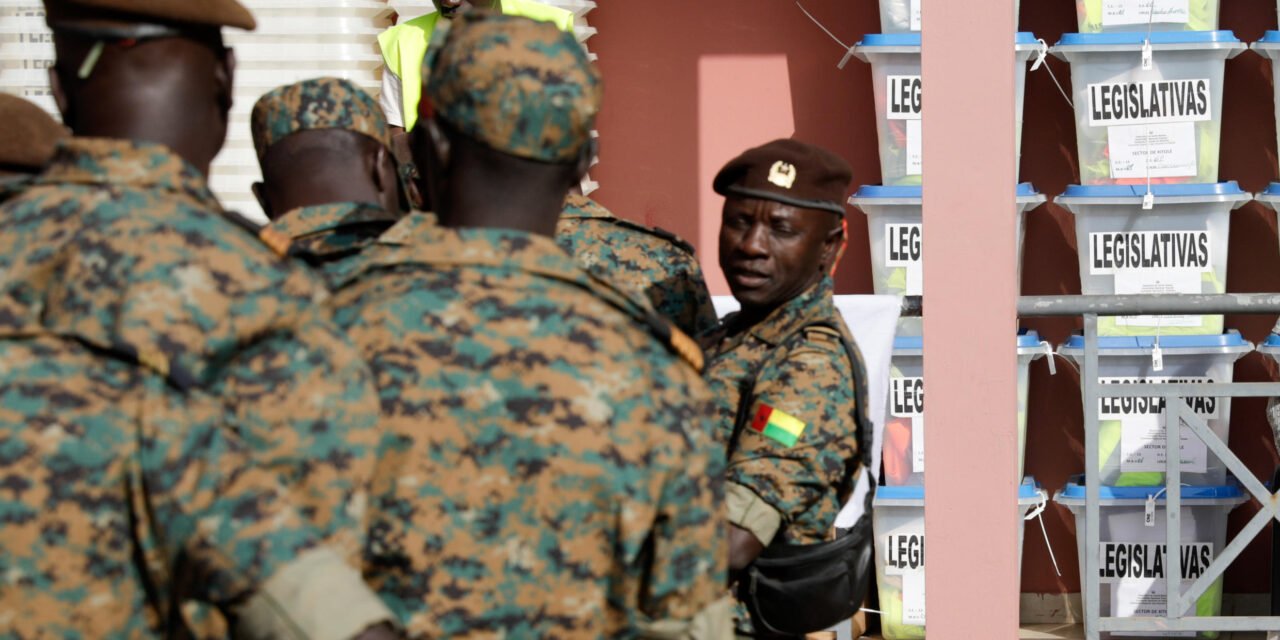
(405, 45)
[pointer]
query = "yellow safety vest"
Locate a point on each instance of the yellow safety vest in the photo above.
(405, 45)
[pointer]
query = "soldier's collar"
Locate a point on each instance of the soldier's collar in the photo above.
(815, 302)
(578, 206)
(304, 221)
(127, 163)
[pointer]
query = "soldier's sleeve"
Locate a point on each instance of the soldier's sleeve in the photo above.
(701, 314)
(304, 402)
(686, 596)
(793, 451)
(230, 531)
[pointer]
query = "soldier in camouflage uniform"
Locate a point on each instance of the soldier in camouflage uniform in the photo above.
(330, 181)
(27, 136)
(793, 439)
(148, 345)
(549, 470)
(653, 262)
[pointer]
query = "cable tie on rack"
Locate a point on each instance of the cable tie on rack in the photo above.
(1040, 59)
(1048, 352)
(848, 50)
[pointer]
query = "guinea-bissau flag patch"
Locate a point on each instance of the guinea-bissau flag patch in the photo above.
(778, 425)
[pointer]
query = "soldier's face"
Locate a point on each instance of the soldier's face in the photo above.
(771, 252)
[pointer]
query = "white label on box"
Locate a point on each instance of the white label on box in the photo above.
(1142, 446)
(915, 148)
(904, 97)
(1117, 408)
(914, 8)
(1153, 150)
(906, 397)
(917, 444)
(1156, 281)
(913, 598)
(1142, 599)
(1122, 561)
(1111, 252)
(904, 549)
(1151, 102)
(904, 249)
(1117, 13)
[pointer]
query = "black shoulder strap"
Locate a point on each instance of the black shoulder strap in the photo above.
(859, 375)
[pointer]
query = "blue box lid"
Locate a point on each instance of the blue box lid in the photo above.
(1273, 189)
(1230, 188)
(912, 39)
(1076, 491)
(1273, 340)
(1028, 490)
(1229, 339)
(1271, 37)
(1120, 38)
(1023, 190)
(1026, 338)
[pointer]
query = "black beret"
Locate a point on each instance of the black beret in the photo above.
(211, 13)
(790, 172)
(27, 134)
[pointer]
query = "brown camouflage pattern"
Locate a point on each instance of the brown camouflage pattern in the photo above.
(522, 87)
(329, 237)
(315, 104)
(654, 263)
(548, 470)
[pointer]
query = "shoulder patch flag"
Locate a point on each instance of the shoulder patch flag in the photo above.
(778, 425)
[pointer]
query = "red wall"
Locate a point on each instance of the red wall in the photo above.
(649, 171)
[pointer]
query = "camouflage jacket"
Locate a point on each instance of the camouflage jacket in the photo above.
(327, 237)
(548, 468)
(11, 187)
(791, 491)
(655, 263)
(119, 252)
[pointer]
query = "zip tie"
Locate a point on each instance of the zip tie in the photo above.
(879, 613)
(848, 50)
(1040, 58)
(1038, 514)
(1048, 351)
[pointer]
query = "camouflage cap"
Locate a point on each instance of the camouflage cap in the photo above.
(27, 134)
(522, 87)
(211, 13)
(318, 103)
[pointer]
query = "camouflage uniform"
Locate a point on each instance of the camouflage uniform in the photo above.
(549, 470)
(119, 279)
(652, 262)
(27, 137)
(324, 236)
(779, 493)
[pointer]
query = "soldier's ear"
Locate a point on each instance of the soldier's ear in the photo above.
(224, 77)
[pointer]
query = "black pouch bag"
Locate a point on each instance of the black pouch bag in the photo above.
(791, 590)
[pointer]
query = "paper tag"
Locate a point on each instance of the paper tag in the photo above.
(1153, 151)
(1142, 446)
(913, 598)
(1130, 12)
(915, 14)
(1149, 512)
(1148, 201)
(917, 444)
(1157, 358)
(915, 149)
(1158, 281)
(1146, 55)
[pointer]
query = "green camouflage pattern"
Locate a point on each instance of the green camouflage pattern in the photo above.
(101, 459)
(812, 381)
(654, 263)
(120, 247)
(329, 237)
(318, 103)
(548, 468)
(522, 87)
(12, 186)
